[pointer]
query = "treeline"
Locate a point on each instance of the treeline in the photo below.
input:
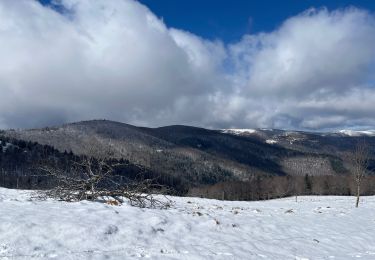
(21, 164)
(19, 161)
(270, 187)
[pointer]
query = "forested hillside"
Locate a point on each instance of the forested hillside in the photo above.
(256, 164)
(22, 164)
(195, 153)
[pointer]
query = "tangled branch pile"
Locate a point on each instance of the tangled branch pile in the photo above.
(96, 180)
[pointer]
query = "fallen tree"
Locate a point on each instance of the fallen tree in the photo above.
(95, 179)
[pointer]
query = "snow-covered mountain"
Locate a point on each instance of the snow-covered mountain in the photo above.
(239, 131)
(344, 132)
(312, 228)
(290, 137)
(357, 133)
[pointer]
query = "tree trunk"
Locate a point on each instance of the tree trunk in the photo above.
(358, 194)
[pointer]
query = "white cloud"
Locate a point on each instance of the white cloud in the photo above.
(117, 60)
(312, 51)
(317, 56)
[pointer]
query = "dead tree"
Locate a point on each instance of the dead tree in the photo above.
(95, 179)
(359, 162)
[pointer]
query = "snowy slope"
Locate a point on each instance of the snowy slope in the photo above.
(236, 131)
(357, 133)
(312, 228)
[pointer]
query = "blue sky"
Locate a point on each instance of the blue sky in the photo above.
(229, 20)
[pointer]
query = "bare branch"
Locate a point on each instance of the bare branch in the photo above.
(96, 179)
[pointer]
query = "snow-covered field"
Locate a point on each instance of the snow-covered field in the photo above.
(312, 228)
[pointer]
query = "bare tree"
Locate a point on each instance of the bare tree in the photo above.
(92, 178)
(359, 160)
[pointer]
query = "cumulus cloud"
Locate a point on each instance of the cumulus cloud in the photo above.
(315, 71)
(117, 60)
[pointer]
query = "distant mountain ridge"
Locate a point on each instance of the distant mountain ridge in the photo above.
(201, 155)
(357, 132)
(343, 132)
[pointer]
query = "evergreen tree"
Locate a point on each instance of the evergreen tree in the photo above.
(308, 185)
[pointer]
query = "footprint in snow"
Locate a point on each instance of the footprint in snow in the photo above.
(111, 229)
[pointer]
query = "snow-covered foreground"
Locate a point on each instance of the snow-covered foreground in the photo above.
(312, 228)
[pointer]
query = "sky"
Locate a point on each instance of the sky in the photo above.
(306, 65)
(230, 20)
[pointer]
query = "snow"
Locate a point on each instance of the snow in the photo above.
(239, 131)
(271, 141)
(312, 228)
(354, 133)
(357, 133)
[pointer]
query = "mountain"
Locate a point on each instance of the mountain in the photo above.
(357, 133)
(202, 156)
(335, 143)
